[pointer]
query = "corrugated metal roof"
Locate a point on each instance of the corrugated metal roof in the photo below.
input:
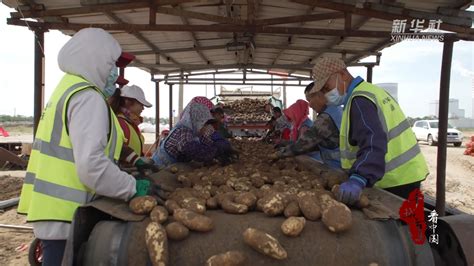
(183, 49)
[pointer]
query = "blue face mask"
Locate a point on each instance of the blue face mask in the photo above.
(333, 96)
(110, 87)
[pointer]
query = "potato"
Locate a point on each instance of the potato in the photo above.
(224, 189)
(257, 181)
(336, 216)
(247, 198)
(174, 169)
(157, 244)
(229, 258)
(264, 243)
(159, 214)
(177, 231)
(364, 202)
(309, 207)
(171, 205)
(293, 226)
(334, 178)
(193, 221)
(233, 208)
(273, 204)
(194, 205)
(142, 205)
(292, 209)
(211, 203)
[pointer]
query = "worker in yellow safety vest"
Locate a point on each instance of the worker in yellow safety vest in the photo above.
(377, 145)
(128, 103)
(77, 143)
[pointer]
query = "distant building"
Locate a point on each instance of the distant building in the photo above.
(391, 88)
(453, 109)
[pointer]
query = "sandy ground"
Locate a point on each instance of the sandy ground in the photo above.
(459, 194)
(14, 244)
(459, 177)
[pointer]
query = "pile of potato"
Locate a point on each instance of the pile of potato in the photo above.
(246, 111)
(254, 183)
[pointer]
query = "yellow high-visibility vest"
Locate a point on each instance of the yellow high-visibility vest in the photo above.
(136, 139)
(404, 162)
(52, 190)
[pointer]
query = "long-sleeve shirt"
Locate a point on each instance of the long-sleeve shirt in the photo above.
(89, 138)
(184, 146)
(323, 133)
(366, 132)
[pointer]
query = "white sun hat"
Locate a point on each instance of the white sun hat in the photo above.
(136, 93)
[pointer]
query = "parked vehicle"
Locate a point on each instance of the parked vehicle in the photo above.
(427, 130)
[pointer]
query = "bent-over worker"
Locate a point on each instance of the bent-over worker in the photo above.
(378, 146)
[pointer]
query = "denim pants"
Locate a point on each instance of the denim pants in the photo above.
(53, 251)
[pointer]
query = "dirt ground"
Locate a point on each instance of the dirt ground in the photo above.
(459, 177)
(14, 244)
(459, 194)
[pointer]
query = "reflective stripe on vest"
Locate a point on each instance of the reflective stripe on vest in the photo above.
(52, 189)
(404, 162)
(136, 139)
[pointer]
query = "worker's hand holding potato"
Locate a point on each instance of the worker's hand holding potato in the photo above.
(351, 190)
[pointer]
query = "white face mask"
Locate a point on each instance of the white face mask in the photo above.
(333, 96)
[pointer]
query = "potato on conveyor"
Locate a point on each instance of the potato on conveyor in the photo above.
(142, 205)
(193, 221)
(292, 209)
(293, 226)
(171, 206)
(335, 215)
(233, 208)
(246, 198)
(157, 244)
(176, 231)
(229, 258)
(273, 204)
(264, 243)
(159, 214)
(309, 207)
(211, 203)
(194, 205)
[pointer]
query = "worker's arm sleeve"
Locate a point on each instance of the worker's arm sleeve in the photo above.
(367, 133)
(322, 129)
(88, 134)
(197, 151)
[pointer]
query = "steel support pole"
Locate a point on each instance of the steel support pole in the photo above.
(171, 106)
(369, 73)
(443, 125)
(180, 96)
(38, 78)
(157, 109)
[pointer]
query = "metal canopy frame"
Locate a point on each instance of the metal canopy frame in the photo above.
(359, 29)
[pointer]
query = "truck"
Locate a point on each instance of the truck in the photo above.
(245, 108)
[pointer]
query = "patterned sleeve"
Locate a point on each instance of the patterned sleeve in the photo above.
(322, 132)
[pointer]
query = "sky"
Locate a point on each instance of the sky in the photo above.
(414, 65)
